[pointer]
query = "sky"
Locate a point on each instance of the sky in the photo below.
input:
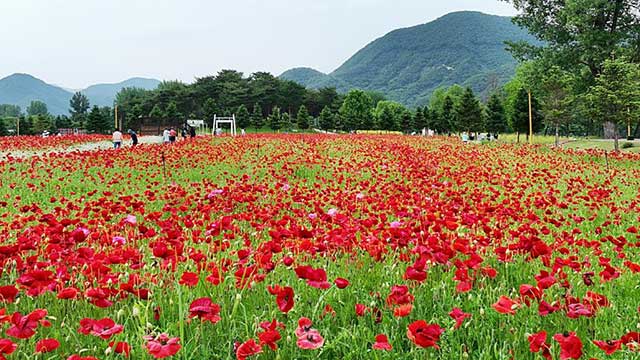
(77, 43)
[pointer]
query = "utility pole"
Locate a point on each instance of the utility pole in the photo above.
(530, 120)
(18, 125)
(115, 126)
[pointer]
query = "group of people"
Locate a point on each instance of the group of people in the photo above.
(169, 135)
(117, 138)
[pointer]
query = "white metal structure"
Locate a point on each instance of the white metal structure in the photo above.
(224, 120)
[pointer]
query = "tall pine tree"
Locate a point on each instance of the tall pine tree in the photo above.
(496, 118)
(303, 118)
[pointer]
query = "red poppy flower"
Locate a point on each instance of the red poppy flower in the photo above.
(341, 283)
(7, 347)
(316, 278)
(205, 309)
(78, 357)
(631, 340)
(121, 348)
(459, 316)
(24, 327)
(311, 340)
(104, 328)
(304, 325)
(47, 345)
(382, 343)
(609, 346)
(270, 335)
(506, 306)
(189, 279)
(162, 346)
(423, 334)
(570, 345)
(248, 348)
(8, 293)
(360, 309)
(284, 297)
(399, 295)
(538, 343)
(402, 310)
(67, 293)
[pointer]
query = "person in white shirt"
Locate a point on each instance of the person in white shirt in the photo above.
(117, 139)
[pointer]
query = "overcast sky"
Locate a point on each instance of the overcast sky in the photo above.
(75, 43)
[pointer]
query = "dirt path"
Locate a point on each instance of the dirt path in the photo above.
(101, 145)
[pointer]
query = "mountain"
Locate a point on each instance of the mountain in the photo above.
(407, 65)
(104, 94)
(21, 89)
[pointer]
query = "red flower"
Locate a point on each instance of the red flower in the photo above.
(205, 309)
(284, 297)
(311, 340)
(506, 305)
(47, 345)
(7, 347)
(78, 357)
(402, 310)
(270, 335)
(24, 327)
(538, 342)
(316, 278)
(360, 309)
(189, 279)
(570, 345)
(631, 340)
(67, 293)
(162, 346)
(341, 283)
(8, 293)
(104, 328)
(248, 348)
(121, 348)
(399, 295)
(382, 343)
(459, 316)
(423, 334)
(609, 346)
(304, 325)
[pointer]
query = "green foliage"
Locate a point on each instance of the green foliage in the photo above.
(327, 119)
(303, 118)
(242, 117)
(8, 110)
(209, 110)
(41, 123)
(3, 127)
(37, 107)
(172, 114)
(496, 119)
(388, 115)
(468, 113)
(274, 120)
(627, 145)
(519, 118)
(99, 120)
(408, 65)
(157, 113)
(356, 111)
(286, 121)
(420, 118)
(79, 105)
(257, 120)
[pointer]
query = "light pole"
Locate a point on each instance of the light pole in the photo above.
(530, 120)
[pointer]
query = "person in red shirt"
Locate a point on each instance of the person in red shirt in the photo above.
(172, 135)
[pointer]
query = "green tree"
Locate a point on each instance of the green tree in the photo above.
(469, 113)
(615, 97)
(355, 111)
(388, 115)
(157, 113)
(444, 119)
(242, 117)
(172, 114)
(303, 118)
(496, 118)
(99, 120)
(41, 123)
(287, 123)
(257, 120)
(79, 105)
(327, 119)
(275, 119)
(209, 111)
(578, 36)
(3, 127)
(420, 120)
(37, 107)
(519, 118)
(557, 99)
(63, 122)
(9, 110)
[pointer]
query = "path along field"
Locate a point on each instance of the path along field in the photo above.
(305, 247)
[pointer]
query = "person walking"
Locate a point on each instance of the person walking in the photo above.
(117, 139)
(192, 132)
(172, 135)
(165, 136)
(134, 137)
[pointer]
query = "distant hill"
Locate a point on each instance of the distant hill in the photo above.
(21, 89)
(407, 65)
(104, 94)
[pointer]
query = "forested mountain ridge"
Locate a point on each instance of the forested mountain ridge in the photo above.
(407, 65)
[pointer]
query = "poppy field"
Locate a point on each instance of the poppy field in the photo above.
(317, 246)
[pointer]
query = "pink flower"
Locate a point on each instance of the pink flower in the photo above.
(311, 340)
(131, 220)
(332, 212)
(118, 240)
